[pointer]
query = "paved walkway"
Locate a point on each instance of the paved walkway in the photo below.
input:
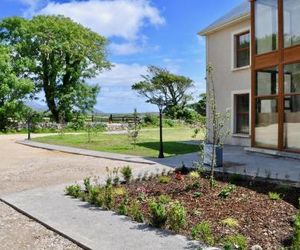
(92, 227)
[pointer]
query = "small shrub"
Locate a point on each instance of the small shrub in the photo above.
(87, 184)
(203, 232)
(164, 199)
(236, 241)
(193, 186)
(274, 196)
(197, 194)
(296, 236)
(176, 216)
(119, 191)
(230, 222)
(116, 178)
(226, 191)
(150, 119)
(164, 179)
(127, 173)
(135, 211)
(73, 190)
(158, 213)
(194, 175)
(122, 209)
(108, 197)
(93, 194)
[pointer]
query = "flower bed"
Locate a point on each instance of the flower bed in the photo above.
(227, 215)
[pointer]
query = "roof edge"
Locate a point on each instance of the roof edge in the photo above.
(211, 30)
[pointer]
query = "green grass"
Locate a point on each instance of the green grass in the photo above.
(147, 145)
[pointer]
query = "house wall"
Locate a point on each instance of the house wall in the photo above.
(227, 80)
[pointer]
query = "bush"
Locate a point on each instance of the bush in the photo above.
(176, 216)
(236, 241)
(127, 173)
(87, 184)
(73, 190)
(226, 191)
(194, 175)
(274, 196)
(135, 211)
(151, 119)
(122, 209)
(158, 212)
(169, 123)
(164, 179)
(108, 198)
(296, 236)
(203, 232)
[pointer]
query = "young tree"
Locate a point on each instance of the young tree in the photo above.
(60, 56)
(13, 91)
(133, 129)
(216, 123)
(160, 83)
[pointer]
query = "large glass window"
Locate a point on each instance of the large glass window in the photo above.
(242, 113)
(266, 123)
(242, 44)
(266, 26)
(267, 82)
(292, 106)
(291, 10)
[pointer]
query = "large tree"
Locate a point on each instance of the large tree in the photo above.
(60, 56)
(14, 90)
(162, 84)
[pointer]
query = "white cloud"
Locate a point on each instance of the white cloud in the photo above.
(121, 75)
(124, 48)
(118, 18)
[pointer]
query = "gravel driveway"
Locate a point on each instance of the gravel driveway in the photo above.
(23, 168)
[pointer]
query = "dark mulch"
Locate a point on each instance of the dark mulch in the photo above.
(263, 221)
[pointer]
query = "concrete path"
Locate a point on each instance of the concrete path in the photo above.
(92, 227)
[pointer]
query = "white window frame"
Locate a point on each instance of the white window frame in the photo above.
(233, 113)
(233, 49)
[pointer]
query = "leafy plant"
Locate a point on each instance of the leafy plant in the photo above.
(116, 178)
(108, 197)
(226, 191)
(193, 186)
(87, 184)
(274, 196)
(164, 199)
(296, 236)
(164, 179)
(236, 241)
(73, 190)
(94, 192)
(194, 175)
(119, 191)
(127, 173)
(176, 216)
(197, 194)
(230, 222)
(122, 209)
(158, 213)
(203, 232)
(135, 211)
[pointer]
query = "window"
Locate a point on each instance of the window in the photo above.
(291, 10)
(267, 82)
(242, 45)
(242, 114)
(266, 26)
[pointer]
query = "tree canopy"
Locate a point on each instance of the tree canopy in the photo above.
(160, 84)
(13, 91)
(58, 55)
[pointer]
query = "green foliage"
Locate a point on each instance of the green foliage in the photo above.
(230, 222)
(14, 89)
(122, 209)
(60, 55)
(151, 119)
(164, 199)
(127, 173)
(296, 236)
(195, 185)
(197, 194)
(176, 216)
(164, 179)
(87, 184)
(135, 211)
(203, 232)
(274, 196)
(188, 115)
(108, 198)
(194, 175)
(200, 106)
(236, 241)
(161, 86)
(158, 213)
(226, 191)
(94, 193)
(73, 190)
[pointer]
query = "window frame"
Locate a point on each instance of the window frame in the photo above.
(235, 36)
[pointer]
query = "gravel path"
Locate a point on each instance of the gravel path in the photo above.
(24, 168)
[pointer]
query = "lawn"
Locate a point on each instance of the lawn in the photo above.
(147, 145)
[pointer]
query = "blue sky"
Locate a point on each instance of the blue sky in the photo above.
(141, 33)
